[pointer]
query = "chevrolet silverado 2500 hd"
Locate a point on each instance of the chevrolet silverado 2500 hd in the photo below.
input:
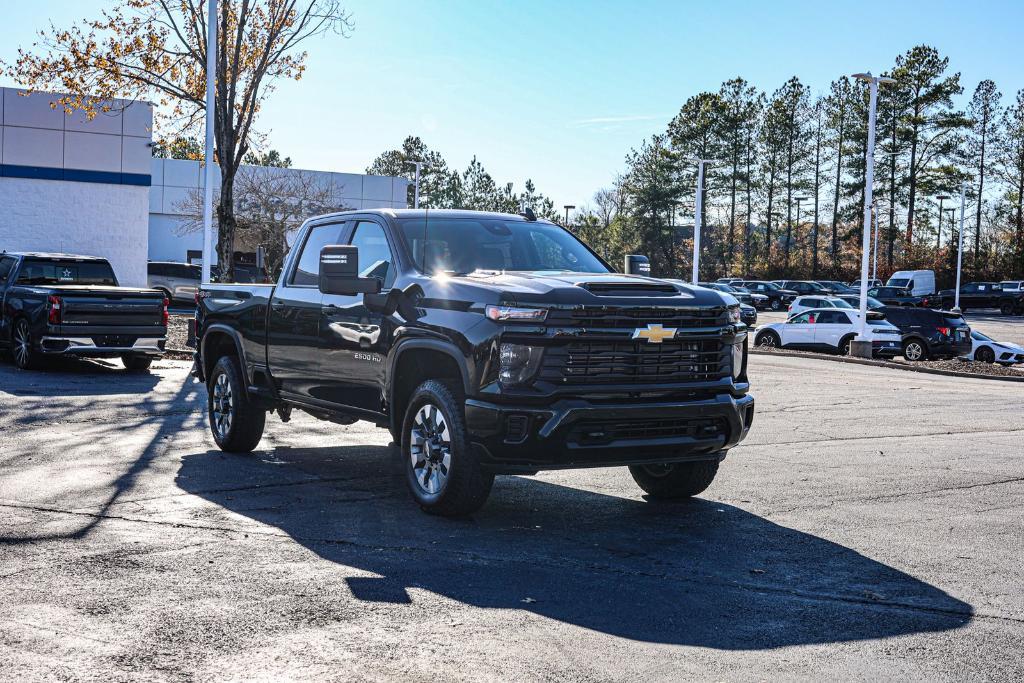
(487, 344)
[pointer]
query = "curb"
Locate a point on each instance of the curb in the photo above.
(883, 364)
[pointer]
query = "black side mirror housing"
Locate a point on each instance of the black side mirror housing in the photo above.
(339, 272)
(637, 265)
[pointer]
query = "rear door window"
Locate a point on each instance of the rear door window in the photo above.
(6, 266)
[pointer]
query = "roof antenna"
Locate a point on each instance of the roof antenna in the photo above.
(528, 213)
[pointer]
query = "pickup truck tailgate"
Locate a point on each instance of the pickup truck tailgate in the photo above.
(115, 312)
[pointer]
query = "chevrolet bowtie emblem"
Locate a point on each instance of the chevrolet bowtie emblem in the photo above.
(654, 333)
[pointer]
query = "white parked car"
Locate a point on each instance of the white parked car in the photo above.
(988, 350)
(806, 303)
(830, 330)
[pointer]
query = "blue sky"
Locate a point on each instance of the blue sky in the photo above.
(559, 92)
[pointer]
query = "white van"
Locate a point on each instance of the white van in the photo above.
(919, 282)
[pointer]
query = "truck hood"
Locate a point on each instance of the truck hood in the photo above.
(539, 288)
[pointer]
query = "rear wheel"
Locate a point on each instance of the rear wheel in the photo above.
(846, 344)
(985, 354)
(1006, 308)
(775, 305)
(768, 339)
(136, 363)
(236, 422)
(25, 355)
(675, 480)
(442, 471)
(915, 350)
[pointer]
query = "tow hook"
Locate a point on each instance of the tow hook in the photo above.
(285, 413)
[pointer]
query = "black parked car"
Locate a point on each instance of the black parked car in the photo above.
(836, 287)
(854, 300)
(930, 334)
(487, 344)
(748, 314)
(63, 304)
(803, 287)
(778, 298)
(744, 297)
(985, 295)
(897, 296)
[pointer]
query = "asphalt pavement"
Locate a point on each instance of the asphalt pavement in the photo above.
(869, 528)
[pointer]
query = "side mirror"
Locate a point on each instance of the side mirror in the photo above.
(637, 265)
(339, 272)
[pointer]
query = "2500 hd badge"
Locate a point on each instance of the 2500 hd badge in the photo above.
(497, 344)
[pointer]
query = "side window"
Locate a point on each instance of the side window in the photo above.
(157, 269)
(375, 257)
(307, 272)
(802, 319)
(6, 266)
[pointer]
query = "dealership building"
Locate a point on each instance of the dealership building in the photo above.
(75, 185)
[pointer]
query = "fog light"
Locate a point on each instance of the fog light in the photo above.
(518, 363)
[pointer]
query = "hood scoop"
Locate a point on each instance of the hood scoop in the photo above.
(652, 289)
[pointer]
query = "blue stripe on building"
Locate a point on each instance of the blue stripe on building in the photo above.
(75, 175)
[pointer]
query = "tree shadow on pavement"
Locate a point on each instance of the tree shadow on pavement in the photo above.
(694, 573)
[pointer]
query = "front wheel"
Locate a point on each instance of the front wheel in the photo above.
(236, 422)
(1006, 308)
(442, 471)
(136, 363)
(776, 304)
(985, 355)
(674, 480)
(768, 339)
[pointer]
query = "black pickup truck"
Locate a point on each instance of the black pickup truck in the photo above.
(62, 304)
(487, 344)
(985, 295)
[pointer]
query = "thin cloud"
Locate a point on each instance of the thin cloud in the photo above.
(614, 120)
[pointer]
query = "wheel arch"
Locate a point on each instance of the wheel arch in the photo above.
(220, 340)
(415, 361)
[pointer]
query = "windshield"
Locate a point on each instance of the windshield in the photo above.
(980, 337)
(66, 272)
(465, 245)
(901, 282)
(839, 303)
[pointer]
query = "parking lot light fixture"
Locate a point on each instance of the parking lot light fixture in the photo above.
(698, 224)
(211, 80)
(568, 208)
(960, 249)
(416, 194)
(861, 346)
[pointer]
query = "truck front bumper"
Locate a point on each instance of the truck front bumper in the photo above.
(575, 433)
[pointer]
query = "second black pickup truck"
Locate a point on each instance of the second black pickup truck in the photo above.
(487, 344)
(63, 304)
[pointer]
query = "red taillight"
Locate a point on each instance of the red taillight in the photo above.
(944, 331)
(54, 315)
(165, 315)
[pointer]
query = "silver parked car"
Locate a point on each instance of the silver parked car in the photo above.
(178, 281)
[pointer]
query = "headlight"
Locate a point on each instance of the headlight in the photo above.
(739, 355)
(734, 315)
(518, 363)
(513, 314)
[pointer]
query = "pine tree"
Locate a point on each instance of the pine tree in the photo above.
(984, 114)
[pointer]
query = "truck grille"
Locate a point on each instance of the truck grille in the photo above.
(599, 432)
(633, 362)
(619, 318)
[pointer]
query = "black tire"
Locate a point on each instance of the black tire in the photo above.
(441, 469)
(23, 346)
(775, 305)
(985, 354)
(675, 480)
(237, 424)
(1006, 308)
(136, 363)
(915, 350)
(768, 338)
(845, 346)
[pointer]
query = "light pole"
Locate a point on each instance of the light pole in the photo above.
(861, 346)
(798, 200)
(416, 196)
(938, 238)
(211, 80)
(960, 249)
(568, 208)
(698, 223)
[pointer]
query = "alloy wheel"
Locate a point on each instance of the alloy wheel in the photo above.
(223, 406)
(913, 351)
(22, 344)
(430, 449)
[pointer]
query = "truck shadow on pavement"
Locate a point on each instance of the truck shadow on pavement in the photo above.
(66, 376)
(694, 573)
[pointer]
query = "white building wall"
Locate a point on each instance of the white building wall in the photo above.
(74, 185)
(81, 218)
(176, 185)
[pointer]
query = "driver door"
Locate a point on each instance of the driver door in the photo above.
(798, 332)
(355, 339)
